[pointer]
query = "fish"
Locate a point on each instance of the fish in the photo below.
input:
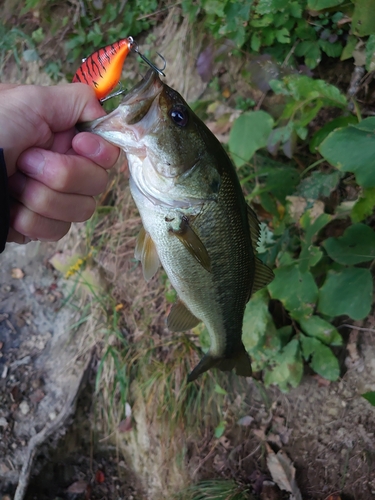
(102, 69)
(196, 221)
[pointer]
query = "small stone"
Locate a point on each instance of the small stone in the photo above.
(3, 422)
(24, 407)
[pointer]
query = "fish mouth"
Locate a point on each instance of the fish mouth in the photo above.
(122, 126)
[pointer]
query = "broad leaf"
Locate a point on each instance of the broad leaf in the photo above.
(323, 4)
(370, 396)
(323, 361)
(348, 292)
(318, 185)
(364, 206)
(249, 133)
(315, 326)
(352, 149)
(257, 322)
(288, 367)
(323, 132)
(356, 245)
(363, 20)
(296, 290)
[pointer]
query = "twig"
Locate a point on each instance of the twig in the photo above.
(372, 330)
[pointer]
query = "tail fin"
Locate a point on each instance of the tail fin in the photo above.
(240, 361)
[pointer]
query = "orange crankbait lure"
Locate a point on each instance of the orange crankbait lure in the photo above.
(102, 69)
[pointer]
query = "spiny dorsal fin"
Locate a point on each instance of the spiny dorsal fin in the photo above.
(145, 251)
(254, 227)
(180, 318)
(193, 243)
(263, 275)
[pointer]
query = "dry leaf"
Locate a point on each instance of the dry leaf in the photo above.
(245, 421)
(125, 425)
(17, 273)
(77, 487)
(283, 472)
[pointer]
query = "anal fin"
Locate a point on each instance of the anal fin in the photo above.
(145, 251)
(180, 318)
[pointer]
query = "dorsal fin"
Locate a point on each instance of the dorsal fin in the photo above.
(254, 227)
(180, 318)
(262, 276)
(193, 243)
(145, 251)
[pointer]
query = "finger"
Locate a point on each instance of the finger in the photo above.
(15, 237)
(72, 174)
(44, 201)
(62, 141)
(96, 149)
(35, 226)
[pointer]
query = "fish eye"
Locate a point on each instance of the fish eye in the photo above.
(179, 115)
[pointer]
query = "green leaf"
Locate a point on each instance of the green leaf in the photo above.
(363, 19)
(220, 429)
(282, 182)
(352, 149)
(347, 292)
(370, 53)
(364, 206)
(323, 361)
(347, 52)
(370, 396)
(356, 245)
(331, 49)
(323, 4)
(249, 133)
(322, 133)
(283, 35)
(318, 184)
(219, 390)
(288, 367)
(317, 327)
(296, 290)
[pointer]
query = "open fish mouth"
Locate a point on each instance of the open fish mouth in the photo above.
(132, 109)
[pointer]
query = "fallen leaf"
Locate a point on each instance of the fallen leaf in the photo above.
(37, 396)
(99, 477)
(245, 421)
(77, 488)
(17, 273)
(322, 382)
(270, 491)
(125, 425)
(283, 472)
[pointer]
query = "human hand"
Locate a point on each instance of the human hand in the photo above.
(53, 171)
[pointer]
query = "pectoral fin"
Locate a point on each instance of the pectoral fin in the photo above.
(145, 251)
(192, 242)
(180, 318)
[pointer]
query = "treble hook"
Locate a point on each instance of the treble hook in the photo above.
(135, 48)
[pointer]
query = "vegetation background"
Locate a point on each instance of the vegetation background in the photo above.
(288, 87)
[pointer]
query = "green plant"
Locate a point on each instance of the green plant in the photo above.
(318, 277)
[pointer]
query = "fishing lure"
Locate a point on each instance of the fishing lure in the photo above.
(102, 69)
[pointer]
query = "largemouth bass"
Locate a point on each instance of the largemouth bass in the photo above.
(195, 217)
